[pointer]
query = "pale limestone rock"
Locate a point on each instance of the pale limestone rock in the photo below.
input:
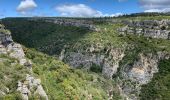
(147, 28)
(141, 72)
(108, 61)
(3, 49)
(110, 66)
(2, 93)
(27, 87)
(61, 57)
(14, 50)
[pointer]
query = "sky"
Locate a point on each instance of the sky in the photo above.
(79, 8)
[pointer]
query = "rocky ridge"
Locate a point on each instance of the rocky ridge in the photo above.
(78, 23)
(147, 28)
(14, 50)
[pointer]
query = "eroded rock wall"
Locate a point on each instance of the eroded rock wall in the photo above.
(107, 58)
(31, 86)
(141, 72)
(147, 28)
(8, 47)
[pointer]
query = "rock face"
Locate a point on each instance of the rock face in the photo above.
(130, 77)
(31, 86)
(111, 63)
(108, 61)
(141, 72)
(147, 28)
(10, 48)
(7, 46)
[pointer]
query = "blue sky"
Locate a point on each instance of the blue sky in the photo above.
(79, 8)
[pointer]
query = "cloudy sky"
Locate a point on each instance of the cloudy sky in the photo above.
(80, 8)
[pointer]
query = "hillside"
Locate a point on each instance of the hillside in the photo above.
(57, 78)
(95, 58)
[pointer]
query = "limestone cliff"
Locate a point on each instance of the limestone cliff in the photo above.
(106, 58)
(7, 46)
(130, 77)
(141, 72)
(14, 50)
(147, 28)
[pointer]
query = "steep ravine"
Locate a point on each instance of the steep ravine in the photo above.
(129, 56)
(56, 79)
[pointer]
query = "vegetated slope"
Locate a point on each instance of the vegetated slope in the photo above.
(10, 73)
(46, 37)
(58, 79)
(62, 82)
(96, 44)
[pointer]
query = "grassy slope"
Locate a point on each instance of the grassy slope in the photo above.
(10, 73)
(58, 79)
(63, 83)
(44, 36)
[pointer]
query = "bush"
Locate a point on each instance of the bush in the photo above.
(96, 68)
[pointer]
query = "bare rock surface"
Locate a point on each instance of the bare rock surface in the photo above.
(141, 72)
(147, 28)
(108, 60)
(30, 87)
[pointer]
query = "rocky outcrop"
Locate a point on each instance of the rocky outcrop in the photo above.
(8, 47)
(111, 63)
(140, 73)
(31, 87)
(108, 60)
(14, 50)
(130, 77)
(147, 28)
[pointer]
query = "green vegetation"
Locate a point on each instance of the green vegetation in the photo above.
(10, 73)
(59, 80)
(51, 38)
(159, 87)
(62, 82)
(96, 68)
(44, 36)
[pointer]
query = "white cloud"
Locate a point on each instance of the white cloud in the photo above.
(155, 5)
(116, 14)
(81, 10)
(77, 10)
(26, 5)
